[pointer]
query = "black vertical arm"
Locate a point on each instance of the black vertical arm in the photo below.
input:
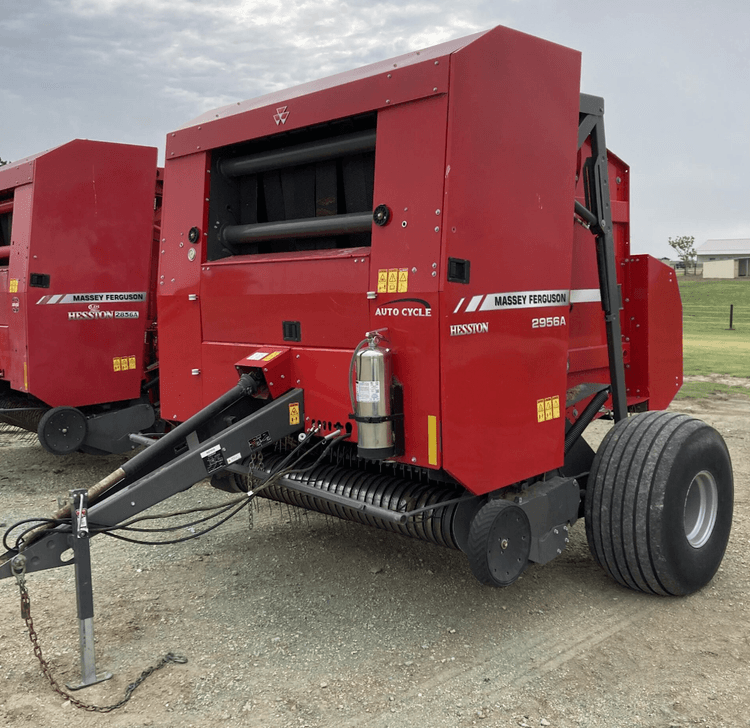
(599, 216)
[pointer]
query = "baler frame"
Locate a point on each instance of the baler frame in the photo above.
(501, 529)
(204, 444)
(598, 215)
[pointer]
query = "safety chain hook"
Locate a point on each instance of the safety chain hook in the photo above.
(18, 567)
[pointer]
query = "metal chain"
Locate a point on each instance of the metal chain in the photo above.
(256, 463)
(26, 616)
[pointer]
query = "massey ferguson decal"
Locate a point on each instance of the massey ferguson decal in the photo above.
(422, 309)
(526, 299)
(130, 297)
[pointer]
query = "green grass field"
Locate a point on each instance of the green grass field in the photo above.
(708, 344)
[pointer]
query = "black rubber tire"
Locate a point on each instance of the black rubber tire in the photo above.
(62, 430)
(489, 562)
(636, 498)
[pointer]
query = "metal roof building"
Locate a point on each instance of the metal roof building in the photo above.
(723, 249)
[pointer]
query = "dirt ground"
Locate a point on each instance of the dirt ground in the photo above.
(303, 621)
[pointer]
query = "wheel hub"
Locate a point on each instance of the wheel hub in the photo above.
(508, 545)
(62, 430)
(701, 507)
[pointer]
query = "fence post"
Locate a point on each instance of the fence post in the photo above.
(731, 316)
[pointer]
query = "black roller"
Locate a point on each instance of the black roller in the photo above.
(293, 156)
(21, 412)
(310, 227)
(376, 489)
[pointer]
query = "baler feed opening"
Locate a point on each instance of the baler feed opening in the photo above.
(311, 189)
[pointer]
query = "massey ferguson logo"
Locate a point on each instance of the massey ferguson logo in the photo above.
(281, 115)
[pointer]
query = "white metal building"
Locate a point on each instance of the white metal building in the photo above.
(725, 258)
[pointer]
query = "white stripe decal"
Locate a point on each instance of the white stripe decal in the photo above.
(585, 295)
(528, 299)
(473, 304)
(525, 299)
(54, 299)
(42, 300)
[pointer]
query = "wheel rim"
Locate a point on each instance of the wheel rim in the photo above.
(701, 507)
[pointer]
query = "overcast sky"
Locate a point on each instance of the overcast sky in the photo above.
(675, 75)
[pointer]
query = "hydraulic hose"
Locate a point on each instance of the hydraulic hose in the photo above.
(585, 419)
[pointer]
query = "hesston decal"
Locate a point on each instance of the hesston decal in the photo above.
(89, 315)
(467, 329)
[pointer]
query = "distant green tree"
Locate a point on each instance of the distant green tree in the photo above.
(685, 248)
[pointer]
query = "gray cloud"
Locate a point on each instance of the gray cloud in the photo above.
(674, 74)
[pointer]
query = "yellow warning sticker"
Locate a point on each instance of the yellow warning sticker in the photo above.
(13, 286)
(294, 413)
(403, 280)
(383, 280)
(123, 363)
(392, 280)
(272, 356)
(547, 409)
(26, 377)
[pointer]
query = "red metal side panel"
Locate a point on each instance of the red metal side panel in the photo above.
(90, 233)
(218, 373)
(17, 368)
(19, 173)
(246, 298)
(510, 169)
(405, 273)
(186, 190)
(322, 373)
(652, 324)
(396, 81)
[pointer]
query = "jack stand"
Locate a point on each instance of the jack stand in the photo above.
(84, 591)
